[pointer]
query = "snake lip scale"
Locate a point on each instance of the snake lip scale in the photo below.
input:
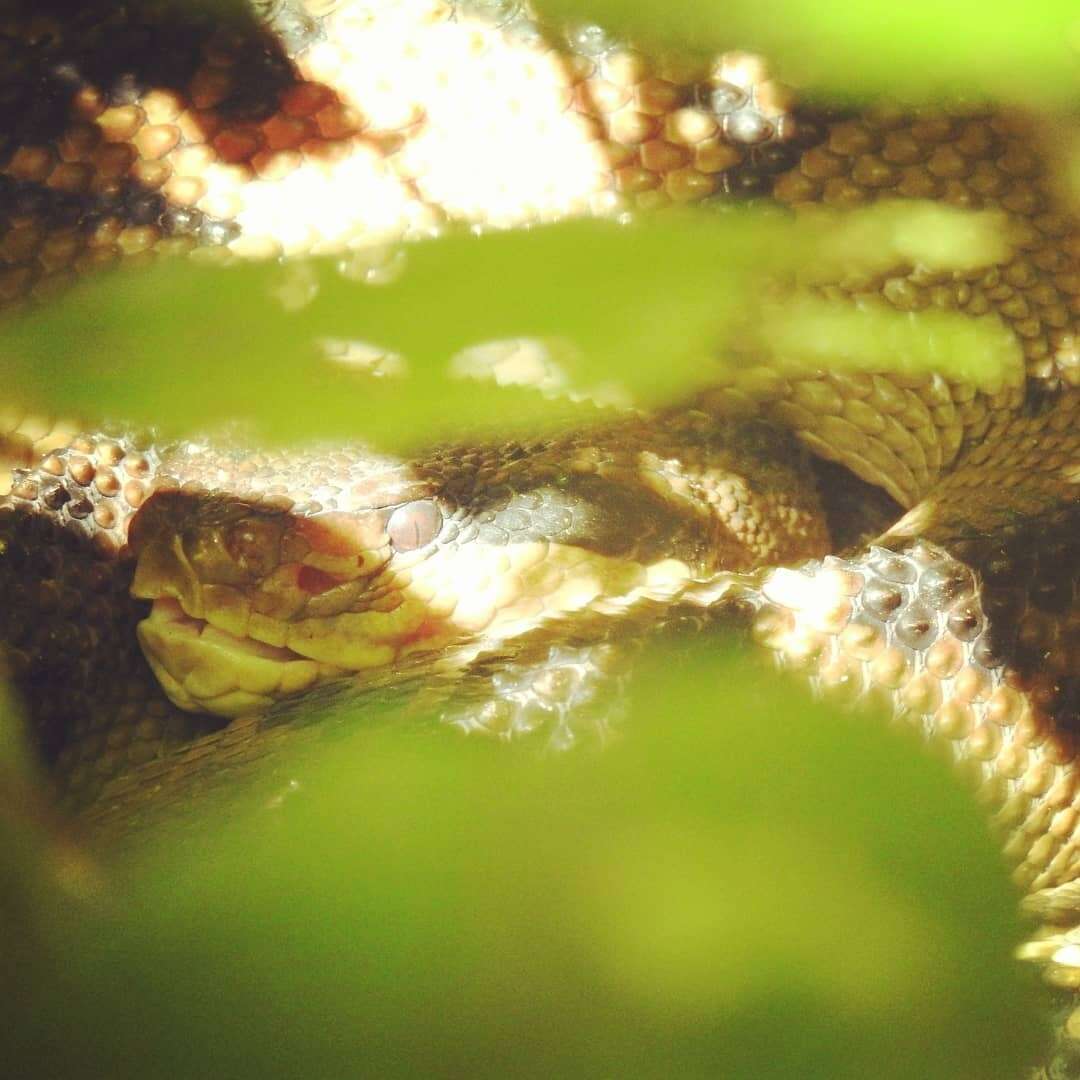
(911, 539)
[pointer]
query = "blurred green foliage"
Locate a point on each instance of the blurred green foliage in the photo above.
(919, 50)
(745, 886)
(651, 309)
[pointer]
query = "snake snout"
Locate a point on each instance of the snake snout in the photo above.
(162, 567)
(253, 602)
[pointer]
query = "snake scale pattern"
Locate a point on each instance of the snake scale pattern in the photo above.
(246, 577)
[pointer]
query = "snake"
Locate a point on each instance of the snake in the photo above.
(901, 537)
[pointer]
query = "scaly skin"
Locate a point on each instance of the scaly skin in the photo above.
(340, 135)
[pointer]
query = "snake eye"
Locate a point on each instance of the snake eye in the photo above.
(414, 525)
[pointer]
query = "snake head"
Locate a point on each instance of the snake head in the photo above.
(252, 602)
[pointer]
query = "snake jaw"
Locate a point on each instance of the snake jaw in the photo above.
(251, 604)
(205, 669)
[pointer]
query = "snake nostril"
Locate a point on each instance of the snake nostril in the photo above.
(414, 525)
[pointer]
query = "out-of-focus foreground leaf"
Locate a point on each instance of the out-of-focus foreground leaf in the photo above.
(641, 314)
(741, 887)
(921, 49)
(41, 864)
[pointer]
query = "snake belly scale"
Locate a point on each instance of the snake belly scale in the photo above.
(221, 580)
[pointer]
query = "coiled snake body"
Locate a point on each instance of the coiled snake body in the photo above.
(328, 127)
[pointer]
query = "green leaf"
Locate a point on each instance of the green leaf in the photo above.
(641, 315)
(742, 886)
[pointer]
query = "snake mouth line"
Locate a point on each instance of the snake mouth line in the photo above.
(205, 668)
